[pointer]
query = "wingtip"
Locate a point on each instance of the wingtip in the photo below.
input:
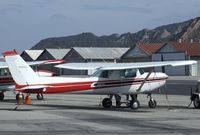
(9, 53)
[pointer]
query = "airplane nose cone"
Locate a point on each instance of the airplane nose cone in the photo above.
(161, 75)
(164, 75)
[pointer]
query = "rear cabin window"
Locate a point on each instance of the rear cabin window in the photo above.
(4, 72)
(106, 74)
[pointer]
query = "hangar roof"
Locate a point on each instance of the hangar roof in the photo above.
(192, 49)
(142, 50)
(34, 54)
(58, 53)
(100, 53)
(150, 48)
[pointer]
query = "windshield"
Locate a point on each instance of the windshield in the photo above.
(141, 71)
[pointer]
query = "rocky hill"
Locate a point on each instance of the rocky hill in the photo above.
(185, 30)
(192, 31)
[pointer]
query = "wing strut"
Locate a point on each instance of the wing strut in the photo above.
(151, 70)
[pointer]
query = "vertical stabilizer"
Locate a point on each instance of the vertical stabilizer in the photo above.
(21, 72)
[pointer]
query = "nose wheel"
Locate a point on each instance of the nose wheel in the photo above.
(152, 103)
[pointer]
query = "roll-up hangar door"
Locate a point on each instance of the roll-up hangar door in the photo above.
(169, 70)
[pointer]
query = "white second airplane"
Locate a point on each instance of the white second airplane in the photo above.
(109, 79)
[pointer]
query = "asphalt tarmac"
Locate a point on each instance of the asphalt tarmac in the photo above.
(61, 114)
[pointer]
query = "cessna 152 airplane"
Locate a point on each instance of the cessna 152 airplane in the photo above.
(7, 83)
(109, 79)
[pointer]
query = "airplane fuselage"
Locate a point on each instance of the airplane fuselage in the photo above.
(96, 85)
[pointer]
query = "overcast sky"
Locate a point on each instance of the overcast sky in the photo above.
(23, 23)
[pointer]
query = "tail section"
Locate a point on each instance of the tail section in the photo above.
(21, 72)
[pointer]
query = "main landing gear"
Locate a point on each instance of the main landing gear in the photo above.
(39, 96)
(107, 102)
(133, 103)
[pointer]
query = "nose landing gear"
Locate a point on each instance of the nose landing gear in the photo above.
(152, 103)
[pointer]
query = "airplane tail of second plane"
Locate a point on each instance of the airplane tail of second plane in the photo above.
(21, 72)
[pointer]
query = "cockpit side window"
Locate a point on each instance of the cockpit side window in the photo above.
(130, 73)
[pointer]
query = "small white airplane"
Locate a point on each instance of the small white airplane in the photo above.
(109, 79)
(7, 83)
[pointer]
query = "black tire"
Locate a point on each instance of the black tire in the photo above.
(152, 103)
(196, 102)
(40, 96)
(134, 104)
(1, 96)
(107, 102)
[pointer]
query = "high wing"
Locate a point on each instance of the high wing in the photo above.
(118, 66)
(31, 63)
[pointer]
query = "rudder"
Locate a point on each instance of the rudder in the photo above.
(21, 72)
